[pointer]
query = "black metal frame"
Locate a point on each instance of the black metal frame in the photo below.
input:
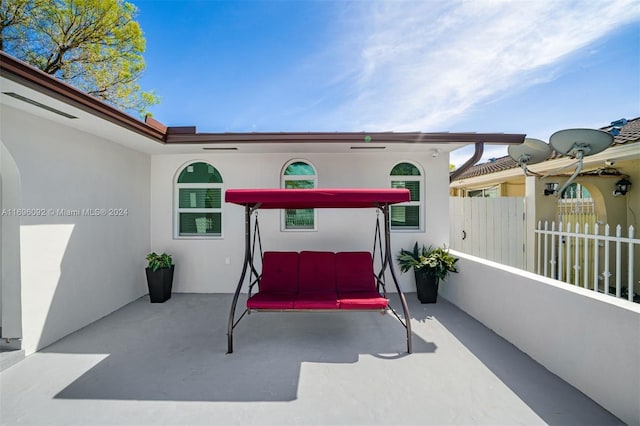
(387, 263)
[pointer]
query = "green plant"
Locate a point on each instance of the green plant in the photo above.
(157, 261)
(428, 260)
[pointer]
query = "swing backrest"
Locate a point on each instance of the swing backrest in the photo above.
(279, 272)
(354, 272)
(317, 271)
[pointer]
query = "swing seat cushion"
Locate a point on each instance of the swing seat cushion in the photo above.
(317, 272)
(362, 300)
(316, 300)
(317, 280)
(356, 283)
(279, 281)
(354, 272)
(279, 272)
(271, 300)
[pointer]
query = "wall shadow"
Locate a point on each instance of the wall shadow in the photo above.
(176, 351)
(550, 397)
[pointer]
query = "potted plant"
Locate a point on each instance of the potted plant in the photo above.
(159, 276)
(429, 265)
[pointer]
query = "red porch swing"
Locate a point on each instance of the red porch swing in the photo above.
(317, 280)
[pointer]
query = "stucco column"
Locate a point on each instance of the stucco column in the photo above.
(530, 222)
(10, 283)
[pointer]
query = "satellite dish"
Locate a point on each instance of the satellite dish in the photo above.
(531, 151)
(579, 143)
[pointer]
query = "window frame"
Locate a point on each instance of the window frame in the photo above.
(177, 209)
(421, 206)
(283, 179)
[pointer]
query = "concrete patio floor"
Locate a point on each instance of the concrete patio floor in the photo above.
(165, 364)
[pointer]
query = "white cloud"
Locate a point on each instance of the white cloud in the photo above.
(418, 65)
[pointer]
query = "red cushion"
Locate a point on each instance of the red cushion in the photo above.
(271, 301)
(317, 271)
(316, 300)
(279, 272)
(354, 271)
(362, 300)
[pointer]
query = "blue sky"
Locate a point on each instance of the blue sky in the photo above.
(531, 67)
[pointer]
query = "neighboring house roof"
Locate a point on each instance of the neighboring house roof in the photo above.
(629, 133)
(25, 74)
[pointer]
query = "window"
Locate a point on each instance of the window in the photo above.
(485, 192)
(297, 175)
(407, 215)
(198, 201)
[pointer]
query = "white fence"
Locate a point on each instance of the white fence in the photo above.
(491, 228)
(600, 262)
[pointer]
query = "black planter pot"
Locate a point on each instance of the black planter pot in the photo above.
(427, 286)
(160, 282)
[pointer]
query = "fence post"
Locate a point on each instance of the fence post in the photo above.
(546, 248)
(618, 261)
(606, 273)
(539, 246)
(630, 287)
(560, 254)
(568, 250)
(596, 257)
(585, 260)
(576, 256)
(553, 251)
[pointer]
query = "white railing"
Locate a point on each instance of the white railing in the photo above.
(582, 258)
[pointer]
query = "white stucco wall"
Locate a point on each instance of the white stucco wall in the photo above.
(588, 339)
(76, 269)
(214, 265)
(10, 304)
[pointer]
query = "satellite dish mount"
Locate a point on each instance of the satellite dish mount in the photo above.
(578, 144)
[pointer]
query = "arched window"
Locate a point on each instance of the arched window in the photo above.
(407, 215)
(198, 205)
(298, 174)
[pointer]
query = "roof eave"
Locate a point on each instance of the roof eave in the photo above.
(342, 137)
(31, 77)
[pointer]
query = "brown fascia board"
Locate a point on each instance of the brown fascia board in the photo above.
(25, 74)
(187, 135)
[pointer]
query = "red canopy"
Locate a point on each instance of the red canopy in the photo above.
(316, 198)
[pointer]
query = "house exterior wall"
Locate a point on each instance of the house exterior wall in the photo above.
(588, 339)
(214, 265)
(10, 305)
(75, 267)
(514, 188)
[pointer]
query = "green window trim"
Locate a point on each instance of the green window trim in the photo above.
(299, 174)
(198, 202)
(407, 216)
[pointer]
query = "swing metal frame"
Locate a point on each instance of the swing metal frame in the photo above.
(254, 200)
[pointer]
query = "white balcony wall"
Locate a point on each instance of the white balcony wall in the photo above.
(214, 265)
(75, 269)
(588, 339)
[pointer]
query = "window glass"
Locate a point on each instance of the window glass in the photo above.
(299, 168)
(407, 215)
(299, 175)
(199, 173)
(198, 211)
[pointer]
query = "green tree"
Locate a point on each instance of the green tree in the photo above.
(94, 45)
(14, 16)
